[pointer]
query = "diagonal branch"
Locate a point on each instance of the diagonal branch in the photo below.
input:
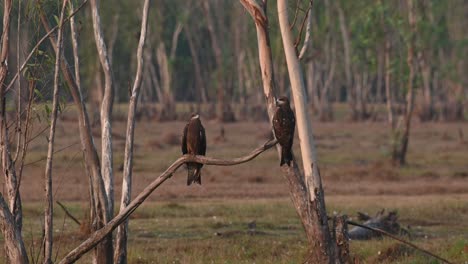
(100, 234)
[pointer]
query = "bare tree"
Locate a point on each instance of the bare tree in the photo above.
(120, 256)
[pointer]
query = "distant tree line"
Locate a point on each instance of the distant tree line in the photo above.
(198, 53)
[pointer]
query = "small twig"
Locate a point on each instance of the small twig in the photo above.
(399, 239)
(295, 16)
(68, 213)
(100, 234)
(305, 45)
(302, 28)
(56, 151)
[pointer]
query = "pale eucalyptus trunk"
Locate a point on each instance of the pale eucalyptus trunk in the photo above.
(104, 252)
(92, 162)
(48, 212)
(323, 250)
(106, 108)
(120, 256)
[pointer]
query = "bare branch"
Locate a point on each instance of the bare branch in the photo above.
(295, 16)
(308, 30)
(100, 234)
(68, 213)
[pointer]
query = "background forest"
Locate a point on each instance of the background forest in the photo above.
(204, 52)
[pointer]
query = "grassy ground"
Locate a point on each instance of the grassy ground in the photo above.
(210, 223)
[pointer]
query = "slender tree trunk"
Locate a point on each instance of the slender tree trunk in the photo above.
(427, 111)
(404, 139)
(380, 74)
(104, 252)
(351, 94)
(222, 109)
(168, 111)
(388, 91)
(48, 213)
(120, 256)
(89, 149)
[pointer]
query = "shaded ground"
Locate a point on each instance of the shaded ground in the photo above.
(210, 223)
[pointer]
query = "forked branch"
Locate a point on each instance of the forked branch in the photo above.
(100, 234)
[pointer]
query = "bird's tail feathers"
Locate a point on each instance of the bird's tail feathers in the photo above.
(194, 174)
(286, 157)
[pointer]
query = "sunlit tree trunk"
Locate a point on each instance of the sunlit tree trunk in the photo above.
(120, 256)
(323, 248)
(307, 202)
(48, 212)
(99, 199)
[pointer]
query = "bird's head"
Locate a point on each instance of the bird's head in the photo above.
(283, 100)
(194, 116)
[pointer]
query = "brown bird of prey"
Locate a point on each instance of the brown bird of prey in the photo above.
(194, 143)
(283, 125)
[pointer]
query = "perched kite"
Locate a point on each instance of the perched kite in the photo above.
(283, 125)
(194, 143)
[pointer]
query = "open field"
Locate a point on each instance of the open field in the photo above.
(210, 223)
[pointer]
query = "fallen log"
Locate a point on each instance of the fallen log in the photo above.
(387, 222)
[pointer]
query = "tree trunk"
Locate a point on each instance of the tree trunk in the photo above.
(426, 112)
(299, 189)
(48, 212)
(168, 110)
(403, 140)
(223, 109)
(120, 256)
(104, 252)
(322, 249)
(11, 212)
(388, 91)
(14, 247)
(351, 94)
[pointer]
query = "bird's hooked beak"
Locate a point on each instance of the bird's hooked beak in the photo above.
(195, 116)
